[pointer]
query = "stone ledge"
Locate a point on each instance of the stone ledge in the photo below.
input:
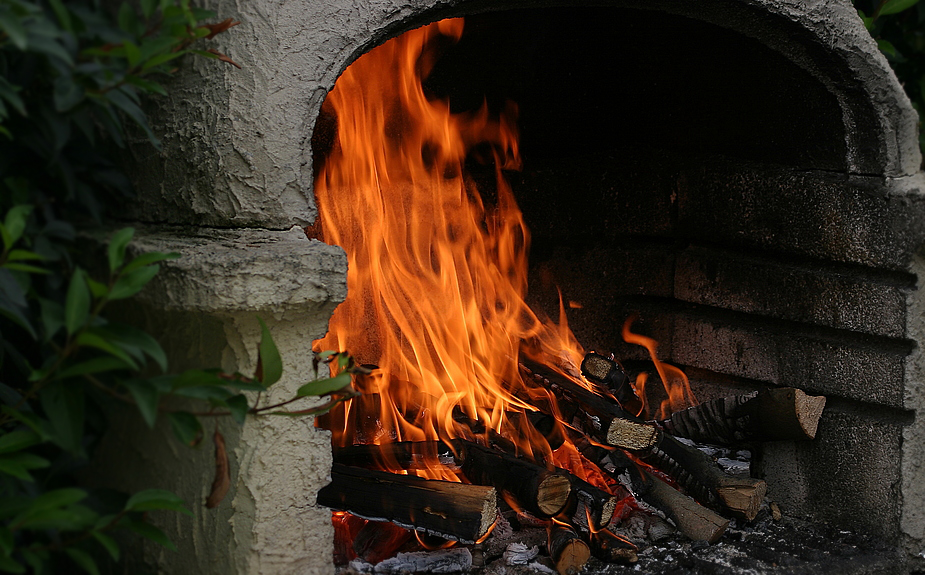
(230, 271)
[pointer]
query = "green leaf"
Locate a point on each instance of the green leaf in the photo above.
(132, 53)
(896, 6)
(18, 440)
(30, 420)
(148, 259)
(91, 366)
(117, 245)
(10, 24)
(64, 408)
(76, 303)
(131, 283)
(238, 407)
(9, 92)
(152, 499)
(108, 543)
(151, 532)
(886, 47)
(146, 397)
(26, 268)
(52, 314)
(186, 427)
(99, 290)
(324, 386)
(56, 499)
(19, 464)
(120, 99)
(15, 223)
(268, 357)
(128, 20)
(134, 341)
(210, 392)
(64, 17)
(82, 559)
(146, 85)
(23, 255)
(162, 59)
(92, 339)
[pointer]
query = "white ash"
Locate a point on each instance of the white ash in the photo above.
(520, 554)
(441, 561)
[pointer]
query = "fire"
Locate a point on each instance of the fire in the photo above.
(437, 277)
(674, 380)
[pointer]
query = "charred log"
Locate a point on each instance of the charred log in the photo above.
(454, 511)
(608, 372)
(540, 491)
(567, 549)
(612, 548)
(595, 415)
(770, 415)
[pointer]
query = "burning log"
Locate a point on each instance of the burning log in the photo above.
(770, 415)
(690, 467)
(566, 548)
(612, 548)
(538, 490)
(604, 420)
(608, 372)
(699, 475)
(693, 520)
(591, 508)
(454, 511)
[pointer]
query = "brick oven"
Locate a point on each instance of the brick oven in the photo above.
(742, 175)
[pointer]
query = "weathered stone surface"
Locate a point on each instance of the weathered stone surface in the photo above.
(204, 308)
(810, 292)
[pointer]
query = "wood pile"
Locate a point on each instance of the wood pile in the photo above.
(650, 463)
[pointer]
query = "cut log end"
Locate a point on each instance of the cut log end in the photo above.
(631, 435)
(553, 493)
(809, 411)
(612, 548)
(567, 550)
(743, 497)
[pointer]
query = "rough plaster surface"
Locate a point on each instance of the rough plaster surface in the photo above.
(204, 307)
(236, 142)
(913, 455)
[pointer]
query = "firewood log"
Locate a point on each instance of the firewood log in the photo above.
(594, 414)
(690, 467)
(455, 511)
(568, 551)
(608, 372)
(540, 491)
(770, 415)
(612, 548)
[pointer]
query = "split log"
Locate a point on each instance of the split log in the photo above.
(693, 520)
(537, 490)
(608, 372)
(454, 511)
(591, 508)
(612, 548)
(596, 415)
(701, 477)
(566, 548)
(770, 415)
(690, 467)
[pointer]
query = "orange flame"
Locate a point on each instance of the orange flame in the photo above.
(674, 380)
(437, 277)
